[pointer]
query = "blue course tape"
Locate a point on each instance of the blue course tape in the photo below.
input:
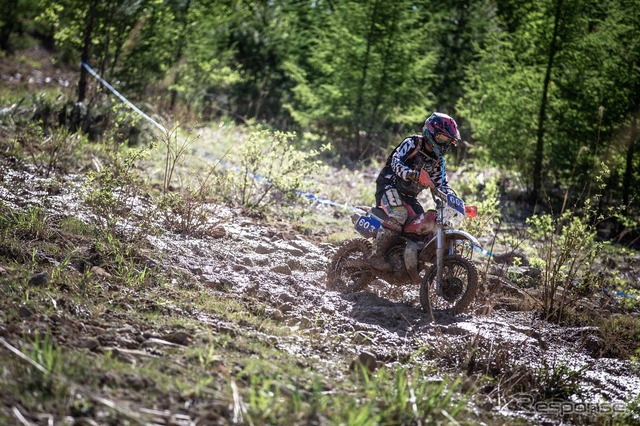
(480, 250)
(618, 293)
(313, 197)
(122, 98)
(625, 295)
(309, 196)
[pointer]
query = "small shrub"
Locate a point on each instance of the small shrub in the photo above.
(57, 150)
(111, 190)
(620, 335)
(175, 150)
(567, 255)
(186, 212)
(125, 126)
(271, 169)
(488, 210)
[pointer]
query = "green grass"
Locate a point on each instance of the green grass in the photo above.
(24, 225)
(272, 385)
(396, 396)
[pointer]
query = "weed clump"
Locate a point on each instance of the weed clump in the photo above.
(271, 170)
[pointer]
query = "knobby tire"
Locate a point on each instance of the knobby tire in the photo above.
(451, 262)
(345, 279)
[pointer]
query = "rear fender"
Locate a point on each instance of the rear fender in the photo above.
(429, 249)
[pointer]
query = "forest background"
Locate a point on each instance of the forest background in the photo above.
(547, 89)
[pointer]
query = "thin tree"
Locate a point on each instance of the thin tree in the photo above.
(86, 48)
(364, 73)
(387, 59)
(553, 49)
(182, 37)
(627, 180)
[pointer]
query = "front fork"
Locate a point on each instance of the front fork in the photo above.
(440, 240)
(439, 256)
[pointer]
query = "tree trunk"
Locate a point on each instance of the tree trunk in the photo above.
(181, 41)
(10, 23)
(86, 48)
(107, 39)
(627, 180)
(382, 83)
(363, 76)
(553, 49)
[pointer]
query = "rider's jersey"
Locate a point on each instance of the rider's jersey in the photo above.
(410, 156)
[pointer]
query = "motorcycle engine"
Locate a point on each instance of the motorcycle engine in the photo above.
(395, 257)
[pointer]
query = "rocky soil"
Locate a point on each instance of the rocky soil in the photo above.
(271, 268)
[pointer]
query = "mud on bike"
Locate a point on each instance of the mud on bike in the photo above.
(438, 261)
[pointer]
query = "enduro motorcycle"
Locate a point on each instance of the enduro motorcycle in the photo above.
(440, 264)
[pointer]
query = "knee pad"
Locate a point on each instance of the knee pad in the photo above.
(394, 207)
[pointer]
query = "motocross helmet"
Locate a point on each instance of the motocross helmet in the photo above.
(441, 132)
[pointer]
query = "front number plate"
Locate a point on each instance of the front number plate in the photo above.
(455, 203)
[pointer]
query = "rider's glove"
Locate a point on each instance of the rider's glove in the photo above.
(424, 179)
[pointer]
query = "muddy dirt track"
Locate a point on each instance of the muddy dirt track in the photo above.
(250, 260)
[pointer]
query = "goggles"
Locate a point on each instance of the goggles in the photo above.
(443, 139)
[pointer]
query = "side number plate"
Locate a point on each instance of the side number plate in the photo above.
(367, 226)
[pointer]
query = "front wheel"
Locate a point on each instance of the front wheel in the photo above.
(348, 270)
(456, 292)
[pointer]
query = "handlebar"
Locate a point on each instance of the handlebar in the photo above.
(426, 182)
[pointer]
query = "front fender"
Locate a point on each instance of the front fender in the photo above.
(429, 250)
(461, 235)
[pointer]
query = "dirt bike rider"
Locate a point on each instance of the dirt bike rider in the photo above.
(416, 163)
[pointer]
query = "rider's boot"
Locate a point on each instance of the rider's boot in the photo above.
(384, 241)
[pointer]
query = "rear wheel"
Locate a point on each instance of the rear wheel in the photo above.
(348, 271)
(458, 289)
